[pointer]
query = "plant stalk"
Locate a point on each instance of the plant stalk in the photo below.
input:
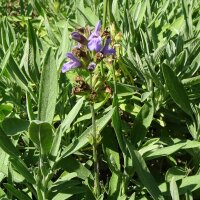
(94, 147)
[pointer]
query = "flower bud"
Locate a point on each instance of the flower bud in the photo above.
(79, 38)
(91, 66)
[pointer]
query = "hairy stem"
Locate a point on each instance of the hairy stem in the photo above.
(95, 144)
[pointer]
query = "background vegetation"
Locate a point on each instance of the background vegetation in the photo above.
(148, 132)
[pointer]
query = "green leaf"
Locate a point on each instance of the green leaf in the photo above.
(12, 126)
(29, 107)
(16, 73)
(41, 134)
(165, 151)
(64, 126)
(29, 57)
(21, 167)
(142, 123)
(176, 172)
(174, 190)
(144, 174)
(48, 88)
(110, 147)
(115, 186)
(191, 81)
(74, 165)
(84, 138)
(17, 193)
(190, 183)
(116, 121)
(87, 13)
(3, 164)
(38, 7)
(176, 89)
(7, 145)
(5, 60)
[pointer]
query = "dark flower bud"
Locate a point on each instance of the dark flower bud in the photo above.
(91, 66)
(79, 52)
(79, 38)
(99, 56)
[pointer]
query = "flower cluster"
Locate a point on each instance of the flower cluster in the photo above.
(83, 54)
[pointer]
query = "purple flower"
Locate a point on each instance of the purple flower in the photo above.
(79, 38)
(106, 50)
(72, 64)
(95, 40)
(91, 66)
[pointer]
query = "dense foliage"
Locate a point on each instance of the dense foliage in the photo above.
(144, 104)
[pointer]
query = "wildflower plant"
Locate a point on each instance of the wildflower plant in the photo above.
(91, 49)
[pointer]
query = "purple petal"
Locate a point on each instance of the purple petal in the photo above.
(95, 40)
(71, 56)
(70, 65)
(98, 26)
(106, 50)
(95, 44)
(109, 51)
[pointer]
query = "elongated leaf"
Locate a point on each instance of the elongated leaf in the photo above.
(16, 73)
(3, 164)
(22, 169)
(110, 148)
(159, 152)
(7, 145)
(64, 126)
(174, 190)
(29, 107)
(191, 81)
(5, 60)
(17, 193)
(176, 90)
(83, 139)
(144, 174)
(48, 88)
(74, 166)
(175, 172)
(29, 57)
(115, 186)
(142, 123)
(87, 13)
(190, 183)
(117, 125)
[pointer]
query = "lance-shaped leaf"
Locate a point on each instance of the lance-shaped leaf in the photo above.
(84, 138)
(176, 89)
(21, 167)
(48, 88)
(7, 145)
(64, 126)
(143, 173)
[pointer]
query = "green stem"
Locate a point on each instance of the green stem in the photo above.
(114, 78)
(105, 2)
(42, 182)
(94, 147)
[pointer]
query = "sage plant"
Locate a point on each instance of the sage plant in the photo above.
(86, 55)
